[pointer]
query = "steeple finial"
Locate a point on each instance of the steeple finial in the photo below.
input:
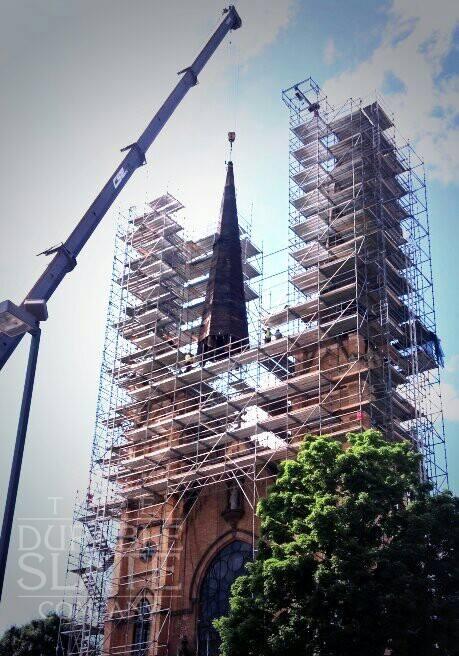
(231, 139)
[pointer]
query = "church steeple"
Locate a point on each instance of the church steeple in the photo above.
(224, 317)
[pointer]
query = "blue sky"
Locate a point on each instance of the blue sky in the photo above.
(80, 80)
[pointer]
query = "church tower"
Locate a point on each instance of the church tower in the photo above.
(224, 319)
(177, 524)
(213, 374)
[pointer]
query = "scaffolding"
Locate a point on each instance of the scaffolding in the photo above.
(360, 247)
(355, 347)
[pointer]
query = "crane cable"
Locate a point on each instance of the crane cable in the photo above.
(233, 86)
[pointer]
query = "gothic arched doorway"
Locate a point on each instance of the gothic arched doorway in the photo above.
(141, 629)
(227, 565)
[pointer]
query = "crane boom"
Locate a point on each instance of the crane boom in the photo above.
(65, 255)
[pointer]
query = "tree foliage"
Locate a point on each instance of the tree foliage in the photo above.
(355, 558)
(36, 638)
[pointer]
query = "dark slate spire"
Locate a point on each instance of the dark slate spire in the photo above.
(224, 317)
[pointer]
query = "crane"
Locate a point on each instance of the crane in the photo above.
(65, 254)
(16, 321)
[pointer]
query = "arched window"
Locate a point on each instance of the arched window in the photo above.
(141, 629)
(227, 565)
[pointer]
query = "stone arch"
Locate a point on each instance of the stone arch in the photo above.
(209, 554)
(143, 593)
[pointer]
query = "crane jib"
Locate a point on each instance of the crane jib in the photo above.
(65, 256)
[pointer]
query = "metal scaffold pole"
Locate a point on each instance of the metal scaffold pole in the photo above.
(15, 473)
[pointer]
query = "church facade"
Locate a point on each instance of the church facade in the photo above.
(214, 371)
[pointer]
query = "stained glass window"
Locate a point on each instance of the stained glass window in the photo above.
(141, 629)
(227, 565)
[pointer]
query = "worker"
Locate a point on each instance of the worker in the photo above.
(240, 418)
(277, 334)
(188, 361)
(268, 335)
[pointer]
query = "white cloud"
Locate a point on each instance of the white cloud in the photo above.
(415, 42)
(452, 364)
(330, 52)
(262, 21)
(450, 398)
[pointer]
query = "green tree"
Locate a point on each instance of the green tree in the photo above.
(356, 557)
(36, 638)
